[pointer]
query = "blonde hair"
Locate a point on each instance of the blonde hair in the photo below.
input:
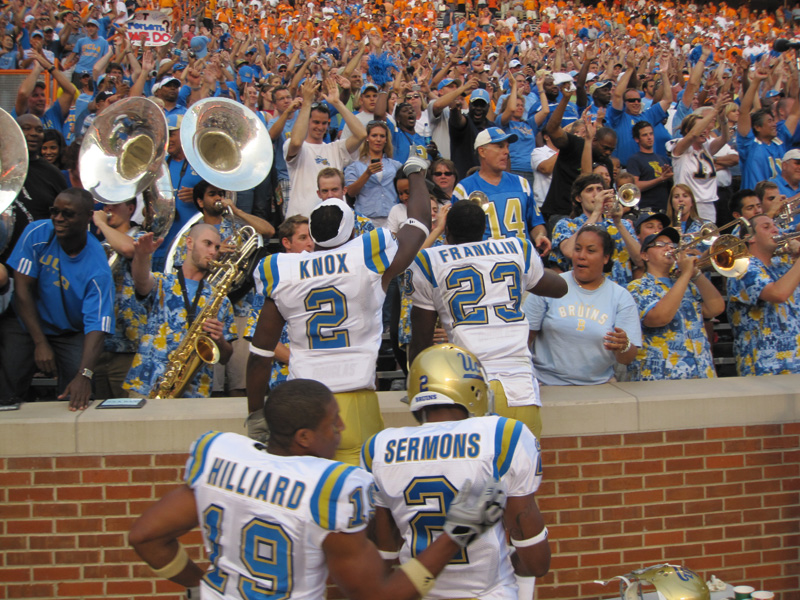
(387, 147)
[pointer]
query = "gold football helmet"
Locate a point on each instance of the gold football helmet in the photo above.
(447, 374)
(671, 582)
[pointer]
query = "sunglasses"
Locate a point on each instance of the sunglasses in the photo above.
(65, 212)
(633, 100)
(414, 96)
(442, 173)
(320, 106)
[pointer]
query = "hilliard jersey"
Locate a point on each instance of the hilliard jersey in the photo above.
(477, 289)
(264, 517)
(511, 212)
(332, 302)
(418, 472)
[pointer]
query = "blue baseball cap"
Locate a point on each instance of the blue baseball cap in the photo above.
(493, 135)
(444, 83)
(479, 94)
(174, 122)
(93, 22)
(369, 86)
(246, 74)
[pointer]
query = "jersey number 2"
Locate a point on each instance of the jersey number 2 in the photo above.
(329, 308)
(428, 521)
(266, 552)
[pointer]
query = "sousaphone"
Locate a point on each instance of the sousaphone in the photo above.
(13, 170)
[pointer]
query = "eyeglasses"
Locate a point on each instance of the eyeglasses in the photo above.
(668, 245)
(442, 173)
(633, 100)
(65, 212)
(414, 96)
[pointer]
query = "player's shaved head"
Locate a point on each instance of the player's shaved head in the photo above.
(466, 222)
(294, 405)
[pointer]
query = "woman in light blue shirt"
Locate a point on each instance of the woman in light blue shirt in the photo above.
(581, 337)
(370, 180)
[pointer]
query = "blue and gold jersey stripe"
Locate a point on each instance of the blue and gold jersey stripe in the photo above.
(326, 494)
(506, 436)
(375, 251)
(197, 460)
(423, 261)
(368, 453)
(270, 274)
(527, 249)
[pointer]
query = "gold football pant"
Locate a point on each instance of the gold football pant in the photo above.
(362, 418)
(529, 414)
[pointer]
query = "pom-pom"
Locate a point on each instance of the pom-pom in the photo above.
(380, 68)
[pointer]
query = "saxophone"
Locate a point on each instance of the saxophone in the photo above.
(196, 347)
(679, 218)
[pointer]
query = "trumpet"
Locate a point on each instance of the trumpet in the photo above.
(783, 242)
(787, 212)
(627, 195)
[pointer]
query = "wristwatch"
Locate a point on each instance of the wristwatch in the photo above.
(88, 374)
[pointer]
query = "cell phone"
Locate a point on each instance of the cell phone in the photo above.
(375, 160)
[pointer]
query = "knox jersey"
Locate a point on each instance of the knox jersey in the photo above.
(419, 470)
(332, 302)
(264, 517)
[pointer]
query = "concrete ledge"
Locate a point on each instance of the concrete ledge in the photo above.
(164, 426)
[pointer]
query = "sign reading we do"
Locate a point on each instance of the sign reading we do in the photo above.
(151, 26)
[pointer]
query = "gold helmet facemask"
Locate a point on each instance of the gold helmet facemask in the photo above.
(447, 374)
(671, 582)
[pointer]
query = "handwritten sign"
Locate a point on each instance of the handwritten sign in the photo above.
(151, 26)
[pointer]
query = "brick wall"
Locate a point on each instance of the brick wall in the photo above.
(721, 500)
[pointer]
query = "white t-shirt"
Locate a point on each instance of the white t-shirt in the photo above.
(541, 182)
(303, 169)
(696, 169)
(440, 130)
(397, 216)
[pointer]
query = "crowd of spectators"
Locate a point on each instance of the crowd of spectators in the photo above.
(689, 103)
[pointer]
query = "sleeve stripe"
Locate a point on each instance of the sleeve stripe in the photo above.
(375, 251)
(197, 461)
(506, 437)
(271, 274)
(326, 494)
(423, 261)
(368, 453)
(526, 249)
(24, 266)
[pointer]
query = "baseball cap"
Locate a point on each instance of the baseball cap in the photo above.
(514, 63)
(246, 74)
(669, 232)
(174, 122)
(93, 22)
(29, 18)
(793, 154)
(37, 32)
(444, 83)
(101, 96)
(369, 86)
(559, 78)
(479, 94)
(165, 81)
(643, 218)
(599, 85)
(493, 135)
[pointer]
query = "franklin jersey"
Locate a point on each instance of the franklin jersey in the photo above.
(264, 517)
(332, 302)
(419, 470)
(476, 289)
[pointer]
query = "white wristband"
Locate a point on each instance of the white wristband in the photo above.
(385, 555)
(418, 224)
(260, 351)
(540, 537)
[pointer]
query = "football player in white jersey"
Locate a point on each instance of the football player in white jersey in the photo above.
(276, 520)
(475, 287)
(332, 301)
(419, 470)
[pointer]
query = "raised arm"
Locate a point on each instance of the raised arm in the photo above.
(617, 97)
(143, 248)
(300, 128)
(745, 122)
